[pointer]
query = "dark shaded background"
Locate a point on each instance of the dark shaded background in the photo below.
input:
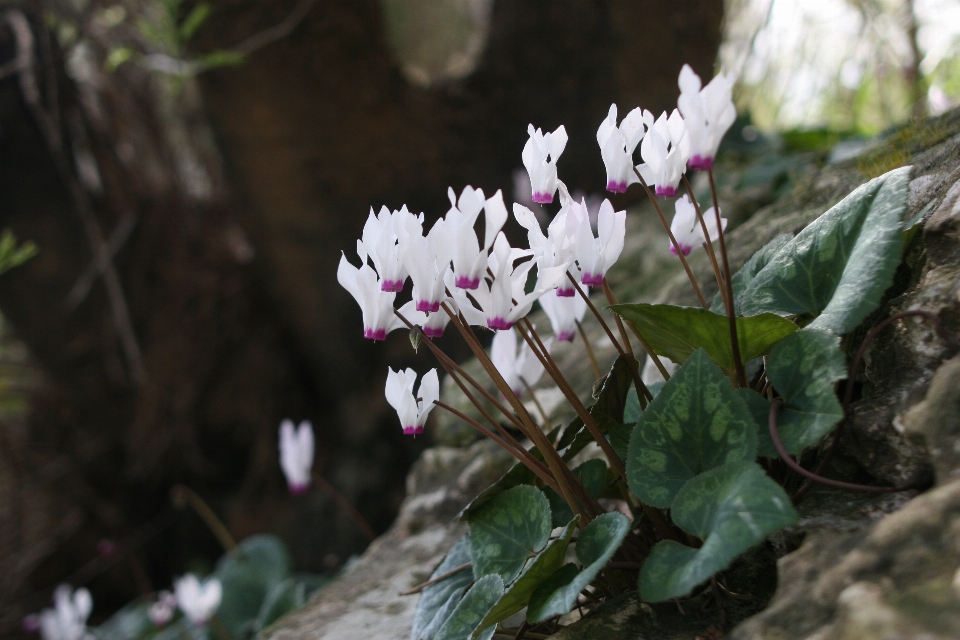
(232, 298)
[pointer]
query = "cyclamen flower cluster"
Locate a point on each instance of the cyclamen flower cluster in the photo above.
(486, 283)
(67, 620)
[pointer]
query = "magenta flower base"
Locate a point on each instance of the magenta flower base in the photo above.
(429, 306)
(617, 187)
(666, 192)
(592, 279)
(375, 334)
(542, 198)
(464, 282)
(699, 163)
(569, 292)
(433, 333)
(392, 285)
(412, 431)
(499, 324)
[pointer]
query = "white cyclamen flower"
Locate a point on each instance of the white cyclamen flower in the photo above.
(596, 254)
(516, 366)
(707, 112)
(376, 305)
(686, 228)
(67, 620)
(504, 301)
(427, 259)
(460, 238)
(553, 249)
(379, 242)
(399, 391)
(432, 324)
(161, 612)
(564, 314)
(198, 601)
(665, 150)
(540, 155)
(296, 454)
(617, 145)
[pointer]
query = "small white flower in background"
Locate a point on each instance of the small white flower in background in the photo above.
(651, 373)
(539, 156)
(296, 454)
(665, 151)
(67, 620)
(376, 305)
(379, 242)
(469, 258)
(707, 112)
(399, 391)
(516, 366)
(564, 314)
(617, 145)
(161, 612)
(553, 249)
(686, 228)
(427, 260)
(596, 255)
(504, 301)
(197, 601)
(432, 324)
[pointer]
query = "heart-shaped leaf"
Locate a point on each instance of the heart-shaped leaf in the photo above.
(676, 332)
(748, 272)
(803, 369)
(536, 572)
(760, 410)
(507, 530)
(695, 423)
(247, 574)
(597, 543)
(731, 508)
(466, 616)
(592, 475)
(839, 266)
(438, 600)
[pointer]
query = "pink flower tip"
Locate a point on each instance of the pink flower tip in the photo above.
(433, 333)
(592, 279)
(617, 187)
(466, 282)
(566, 292)
(412, 431)
(500, 324)
(566, 336)
(542, 198)
(666, 191)
(684, 248)
(375, 334)
(431, 306)
(699, 163)
(392, 285)
(298, 489)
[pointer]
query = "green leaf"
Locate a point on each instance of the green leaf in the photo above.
(676, 332)
(748, 272)
(759, 408)
(438, 600)
(697, 422)
(193, 21)
(517, 475)
(507, 530)
(537, 571)
(841, 264)
(731, 508)
(803, 369)
(593, 475)
(619, 437)
(470, 611)
(608, 409)
(247, 575)
(597, 543)
(11, 255)
(132, 621)
(632, 410)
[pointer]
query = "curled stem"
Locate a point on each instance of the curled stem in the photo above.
(673, 239)
(183, 495)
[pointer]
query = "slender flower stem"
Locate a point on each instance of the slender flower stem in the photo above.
(612, 299)
(183, 495)
(734, 339)
(772, 423)
(642, 392)
(533, 340)
(443, 576)
(345, 506)
(557, 466)
(708, 242)
(673, 239)
(590, 354)
(542, 474)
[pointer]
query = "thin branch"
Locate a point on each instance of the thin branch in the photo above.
(443, 576)
(96, 268)
(183, 495)
(345, 506)
(708, 242)
(276, 32)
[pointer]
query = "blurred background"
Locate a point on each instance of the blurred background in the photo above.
(190, 172)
